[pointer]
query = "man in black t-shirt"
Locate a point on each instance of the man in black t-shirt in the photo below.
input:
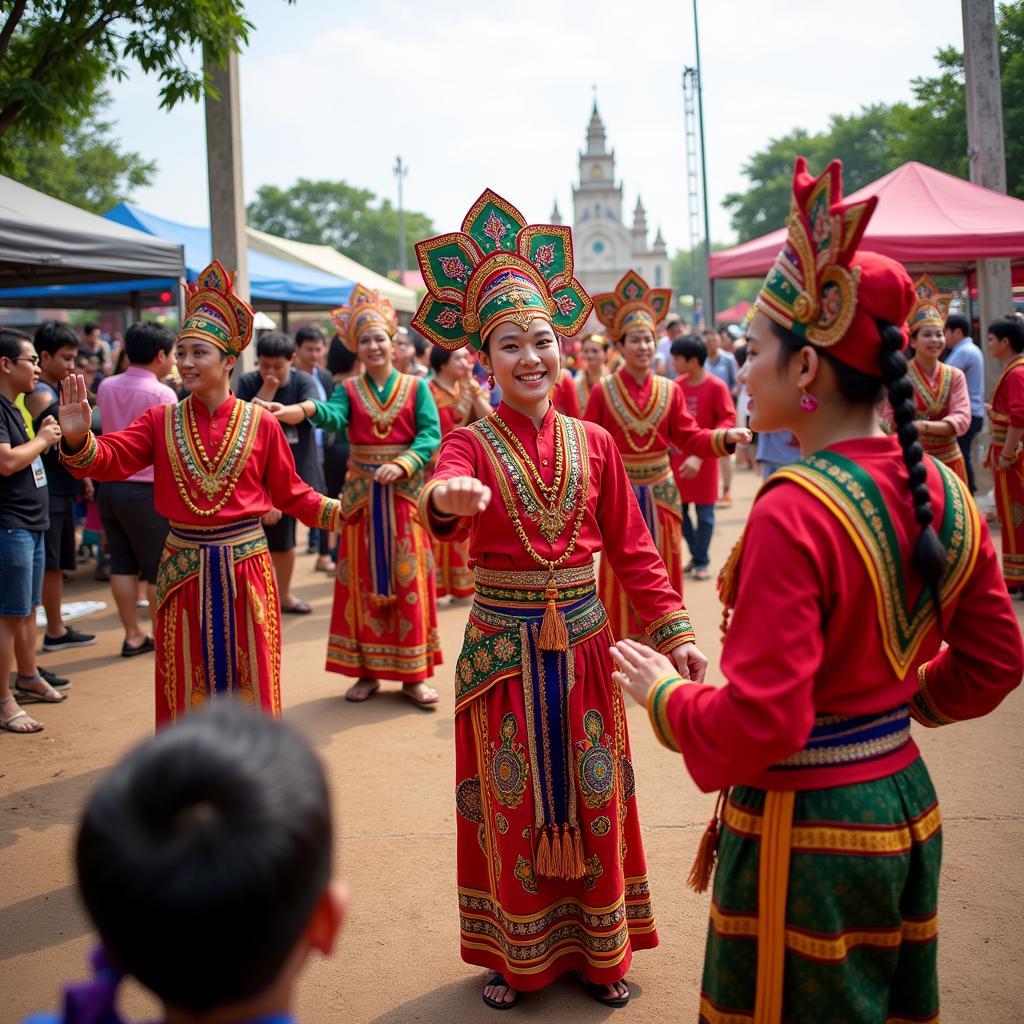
(276, 380)
(56, 344)
(24, 517)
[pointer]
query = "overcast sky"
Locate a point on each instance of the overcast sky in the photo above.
(476, 95)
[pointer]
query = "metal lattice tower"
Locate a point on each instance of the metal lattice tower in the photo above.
(693, 196)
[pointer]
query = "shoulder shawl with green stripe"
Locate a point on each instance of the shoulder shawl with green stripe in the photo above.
(849, 493)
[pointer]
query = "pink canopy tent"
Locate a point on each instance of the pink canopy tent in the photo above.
(927, 219)
(734, 314)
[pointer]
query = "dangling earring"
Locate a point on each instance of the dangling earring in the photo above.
(490, 381)
(807, 401)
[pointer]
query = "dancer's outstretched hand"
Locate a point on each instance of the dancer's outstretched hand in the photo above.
(638, 667)
(74, 412)
(461, 496)
(738, 435)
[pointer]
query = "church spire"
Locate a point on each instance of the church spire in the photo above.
(595, 132)
(556, 215)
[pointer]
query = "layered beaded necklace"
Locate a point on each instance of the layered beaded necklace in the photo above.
(634, 420)
(193, 468)
(383, 413)
(552, 506)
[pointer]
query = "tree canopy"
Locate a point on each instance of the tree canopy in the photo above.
(350, 219)
(881, 137)
(87, 168)
(56, 55)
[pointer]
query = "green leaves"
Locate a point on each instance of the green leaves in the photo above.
(87, 168)
(55, 55)
(335, 213)
(879, 138)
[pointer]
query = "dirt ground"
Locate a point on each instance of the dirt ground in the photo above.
(391, 768)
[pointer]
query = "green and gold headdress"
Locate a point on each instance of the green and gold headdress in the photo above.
(497, 269)
(215, 313)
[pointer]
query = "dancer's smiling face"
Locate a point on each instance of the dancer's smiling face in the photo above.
(525, 362)
(203, 366)
(638, 347)
(375, 349)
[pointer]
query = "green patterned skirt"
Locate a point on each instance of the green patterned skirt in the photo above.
(849, 933)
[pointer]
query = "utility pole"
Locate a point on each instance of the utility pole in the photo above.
(400, 171)
(224, 175)
(987, 154)
(709, 293)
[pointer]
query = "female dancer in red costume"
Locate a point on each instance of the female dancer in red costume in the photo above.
(856, 564)
(551, 869)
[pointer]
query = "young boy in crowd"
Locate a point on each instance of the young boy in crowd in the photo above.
(710, 403)
(204, 861)
(275, 379)
(56, 344)
(24, 517)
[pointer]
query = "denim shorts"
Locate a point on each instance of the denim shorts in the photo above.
(22, 557)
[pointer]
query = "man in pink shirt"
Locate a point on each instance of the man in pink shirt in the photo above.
(135, 531)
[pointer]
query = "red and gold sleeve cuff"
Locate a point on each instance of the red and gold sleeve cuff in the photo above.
(719, 445)
(84, 457)
(923, 708)
(671, 631)
(329, 515)
(657, 709)
(410, 462)
(438, 526)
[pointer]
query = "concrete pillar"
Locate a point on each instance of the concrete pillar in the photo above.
(987, 154)
(224, 175)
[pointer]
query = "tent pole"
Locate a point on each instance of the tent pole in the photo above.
(284, 317)
(135, 299)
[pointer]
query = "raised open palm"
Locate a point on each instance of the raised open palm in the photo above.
(75, 413)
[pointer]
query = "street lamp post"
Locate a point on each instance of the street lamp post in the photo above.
(400, 171)
(709, 294)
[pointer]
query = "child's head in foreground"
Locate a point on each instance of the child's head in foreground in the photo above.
(204, 860)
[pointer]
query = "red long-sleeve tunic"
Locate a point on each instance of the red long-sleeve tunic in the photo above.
(805, 640)
(266, 476)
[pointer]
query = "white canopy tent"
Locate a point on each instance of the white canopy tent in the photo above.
(44, 241)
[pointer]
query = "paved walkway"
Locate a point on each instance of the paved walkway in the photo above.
(391, 769)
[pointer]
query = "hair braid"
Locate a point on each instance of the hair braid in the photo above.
(929, 555)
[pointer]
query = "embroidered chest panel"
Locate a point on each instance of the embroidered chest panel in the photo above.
(382, 412)
(641, 423)
(933, 402)
(851, 495)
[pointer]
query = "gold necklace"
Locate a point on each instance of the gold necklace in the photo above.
(629, 416)
(549, 491)
(504, 472)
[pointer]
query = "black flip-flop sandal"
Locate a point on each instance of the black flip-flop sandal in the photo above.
(597, 993)
(499, 979)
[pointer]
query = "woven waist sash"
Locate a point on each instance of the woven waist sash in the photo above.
(945, 449)
(839, 740)
(211, 554)
(361, 491)
(503, 643)
(646, 470)
(375, 454)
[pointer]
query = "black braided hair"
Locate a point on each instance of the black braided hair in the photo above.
(858, 388)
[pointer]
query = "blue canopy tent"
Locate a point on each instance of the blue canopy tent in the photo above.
(273, 282)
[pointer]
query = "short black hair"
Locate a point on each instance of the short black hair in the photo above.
(53, 335)
(1008, 328)
(340, 358)
(958, 322)
(11, 342)
(209, 842)
(143, 342)
(419, 343)
(90, 327)
(707, 331)
(308, 332)
(690, 346)
(275, 345)
(439, 357)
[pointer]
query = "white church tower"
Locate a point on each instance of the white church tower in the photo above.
(604, 248)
